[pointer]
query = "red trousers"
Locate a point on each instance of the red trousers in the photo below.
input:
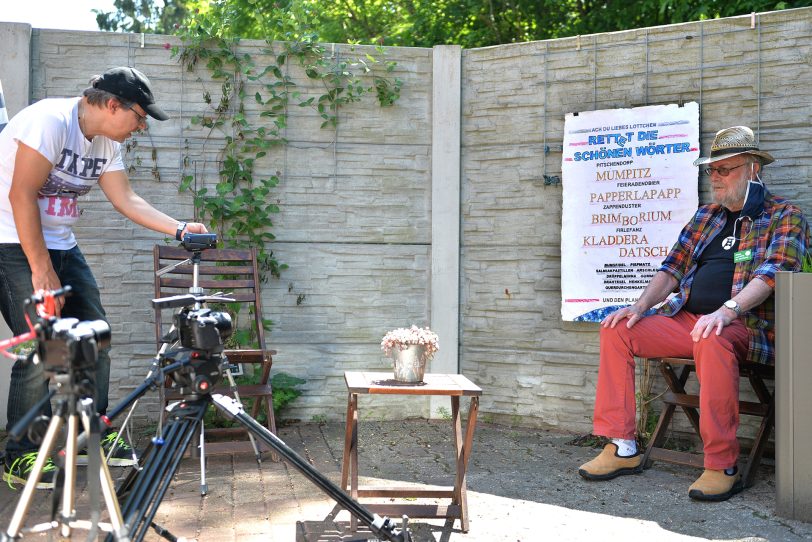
(717, 369)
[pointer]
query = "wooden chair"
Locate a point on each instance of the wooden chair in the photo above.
(676, 372)
(241, 284)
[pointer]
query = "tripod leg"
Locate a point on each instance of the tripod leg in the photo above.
(146, 491)
(21, 511)
(106, 481)
(233, 386)
(379, 526)
(69, 488)
(204, 487)
(108, 489)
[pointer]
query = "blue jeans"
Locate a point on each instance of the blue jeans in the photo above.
(29, 383)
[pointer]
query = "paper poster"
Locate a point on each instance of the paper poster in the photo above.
(629, 188)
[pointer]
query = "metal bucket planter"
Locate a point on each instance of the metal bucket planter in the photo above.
(410, 363)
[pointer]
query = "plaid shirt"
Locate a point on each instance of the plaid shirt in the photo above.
(778, 238)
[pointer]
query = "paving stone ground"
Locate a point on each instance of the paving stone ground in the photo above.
(522, 486)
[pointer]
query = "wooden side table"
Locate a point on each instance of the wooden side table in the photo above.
(453, 385)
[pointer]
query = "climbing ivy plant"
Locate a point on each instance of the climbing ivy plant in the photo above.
(241, 204)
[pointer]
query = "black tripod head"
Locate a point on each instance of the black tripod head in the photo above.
(196, 343)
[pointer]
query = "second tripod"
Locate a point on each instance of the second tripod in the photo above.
(68, 349)
(142, 491)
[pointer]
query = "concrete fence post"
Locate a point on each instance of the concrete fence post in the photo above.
(15, 66)
(445, 210)
(15, 73)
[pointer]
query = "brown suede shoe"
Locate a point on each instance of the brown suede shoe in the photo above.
(609, 465)
(715, 485)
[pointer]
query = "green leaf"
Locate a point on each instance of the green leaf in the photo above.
(224, 188)
(185, 183)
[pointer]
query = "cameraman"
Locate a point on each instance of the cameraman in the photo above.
(51, 153)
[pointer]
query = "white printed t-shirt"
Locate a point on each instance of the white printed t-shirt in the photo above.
(51, 127)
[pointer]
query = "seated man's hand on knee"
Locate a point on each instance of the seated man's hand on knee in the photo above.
(708, 323)
(632, 313)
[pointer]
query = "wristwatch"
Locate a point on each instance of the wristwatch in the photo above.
(732, 305)
(181, 227)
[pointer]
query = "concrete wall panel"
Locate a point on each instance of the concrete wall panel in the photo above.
(355, 222)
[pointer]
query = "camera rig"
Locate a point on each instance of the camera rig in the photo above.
(199, 334)
(195, 362)
(63, 344)
(68, 350)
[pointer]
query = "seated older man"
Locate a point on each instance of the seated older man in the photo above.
(722, 269)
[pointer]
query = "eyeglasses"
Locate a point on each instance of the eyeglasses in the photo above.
(722, 171)
(141, 118)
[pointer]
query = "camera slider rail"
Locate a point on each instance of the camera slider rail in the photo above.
(143, 491)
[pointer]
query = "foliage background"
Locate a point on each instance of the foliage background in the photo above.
(425, 23)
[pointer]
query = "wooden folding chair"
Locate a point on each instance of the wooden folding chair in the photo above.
(676, 396)
(235, 273)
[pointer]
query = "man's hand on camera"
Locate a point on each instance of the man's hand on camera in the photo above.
(47, 280)
(194, 227)
(633, 313)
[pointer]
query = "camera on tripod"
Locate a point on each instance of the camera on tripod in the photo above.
(201, 333)
(198, 335)
(66, 344)
(73, 345)
(195, 242)
(203, 329)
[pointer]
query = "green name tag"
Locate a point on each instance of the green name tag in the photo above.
(743, 256)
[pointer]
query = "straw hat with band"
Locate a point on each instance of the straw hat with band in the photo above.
(733, 142)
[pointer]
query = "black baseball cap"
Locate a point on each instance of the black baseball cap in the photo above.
(131, 85)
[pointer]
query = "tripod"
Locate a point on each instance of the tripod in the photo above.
(195, 363)
(243, 288)
(189, 276)
(69, 349)
(142, 491)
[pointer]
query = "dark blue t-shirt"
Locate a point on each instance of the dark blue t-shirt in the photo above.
(713, 281)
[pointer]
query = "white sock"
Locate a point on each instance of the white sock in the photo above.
(625, 447)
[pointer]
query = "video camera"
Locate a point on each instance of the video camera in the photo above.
(72, 344)
(201, 332)
(195, 242)
(65, 344)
